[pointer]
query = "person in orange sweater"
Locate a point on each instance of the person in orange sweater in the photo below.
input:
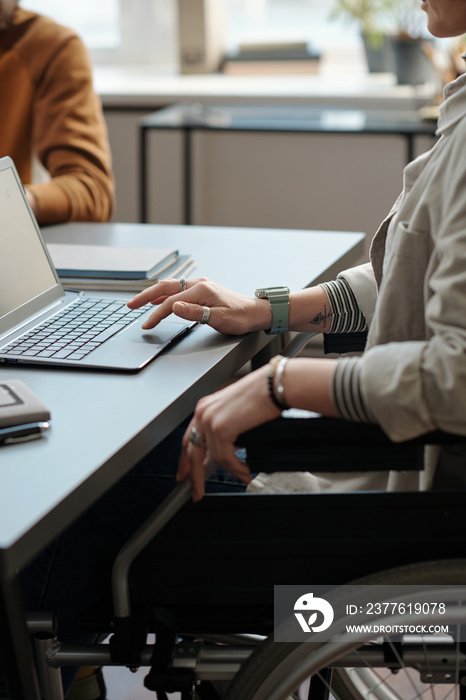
(51, 117)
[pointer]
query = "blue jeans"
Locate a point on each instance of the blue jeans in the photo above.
(73, 572)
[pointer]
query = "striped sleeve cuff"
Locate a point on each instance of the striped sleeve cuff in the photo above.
(347, 317)
(347, 394)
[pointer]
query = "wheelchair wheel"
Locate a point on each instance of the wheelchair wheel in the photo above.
(432, 668)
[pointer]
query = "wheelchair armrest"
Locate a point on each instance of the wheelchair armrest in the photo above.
(344, 342)
(333, 445)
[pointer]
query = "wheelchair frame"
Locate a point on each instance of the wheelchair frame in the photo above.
(203, 580)
(201, 575)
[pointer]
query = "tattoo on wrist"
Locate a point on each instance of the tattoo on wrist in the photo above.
(321, 318)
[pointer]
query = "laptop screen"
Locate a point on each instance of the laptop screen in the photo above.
(24, 268)
(26, 274)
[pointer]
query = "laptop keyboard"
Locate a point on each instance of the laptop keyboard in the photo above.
(74, 332)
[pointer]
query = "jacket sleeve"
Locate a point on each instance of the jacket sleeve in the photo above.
(362, 282)
(70, 139)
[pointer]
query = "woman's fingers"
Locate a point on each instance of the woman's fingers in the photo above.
(170, 304)
(193, 312)
(197, 295)
(192, 458)
(161, 290)
(203, 301)
(202, 443)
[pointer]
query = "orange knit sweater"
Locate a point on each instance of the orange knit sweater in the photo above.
(48, 109)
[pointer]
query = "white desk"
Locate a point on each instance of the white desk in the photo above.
(103, 423)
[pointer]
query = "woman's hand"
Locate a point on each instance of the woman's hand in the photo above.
(218, 420)
(230, 313)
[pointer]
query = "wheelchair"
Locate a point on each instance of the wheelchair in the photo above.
(201, 576)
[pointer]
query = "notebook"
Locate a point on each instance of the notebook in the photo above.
(42, 324)
(76, 260)
(183, 267)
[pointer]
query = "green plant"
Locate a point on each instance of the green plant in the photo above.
(367, 13)
(402, 18)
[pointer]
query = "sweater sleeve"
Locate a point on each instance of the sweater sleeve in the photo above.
(69, 136)
(347, 317)
(348, 396)
(346, 390)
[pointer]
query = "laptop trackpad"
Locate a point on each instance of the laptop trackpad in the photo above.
(159, 335)
(133, 348)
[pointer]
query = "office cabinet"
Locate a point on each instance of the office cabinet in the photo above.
(279, 167)
(294, 180)
(123, 134)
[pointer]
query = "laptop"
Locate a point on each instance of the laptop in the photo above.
(42, 324)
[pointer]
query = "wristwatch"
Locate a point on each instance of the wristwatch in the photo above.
(279, 298)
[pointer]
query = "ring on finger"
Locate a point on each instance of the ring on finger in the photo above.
(182, 284)
(196, 438)
(205, 315)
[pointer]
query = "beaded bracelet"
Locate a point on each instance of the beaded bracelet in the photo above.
(275, 381)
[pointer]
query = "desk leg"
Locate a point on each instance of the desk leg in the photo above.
(15, 643)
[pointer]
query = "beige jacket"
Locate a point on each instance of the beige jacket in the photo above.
(414, 368)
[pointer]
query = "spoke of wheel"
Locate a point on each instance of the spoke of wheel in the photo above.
(457, 676)
(418, 693)
(403, 665)
(452, 690)
(327, 685)
(429, 668)
(378, 675)
(382, 681)
(426, 690)
(457, 667)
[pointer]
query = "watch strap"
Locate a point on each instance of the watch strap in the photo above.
(279, 298)
(280, 315)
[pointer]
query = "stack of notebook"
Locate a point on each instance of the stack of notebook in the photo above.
(272, 59)
(85, 267)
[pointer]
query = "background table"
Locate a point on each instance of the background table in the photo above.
(104, 422)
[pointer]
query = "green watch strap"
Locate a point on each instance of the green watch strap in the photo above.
(279, 298)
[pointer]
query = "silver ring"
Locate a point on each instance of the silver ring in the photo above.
(205, 315)
(196, 438)
(182, 284)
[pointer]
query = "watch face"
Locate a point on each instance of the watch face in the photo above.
(268, 292)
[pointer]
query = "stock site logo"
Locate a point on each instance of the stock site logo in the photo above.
(307, 603)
